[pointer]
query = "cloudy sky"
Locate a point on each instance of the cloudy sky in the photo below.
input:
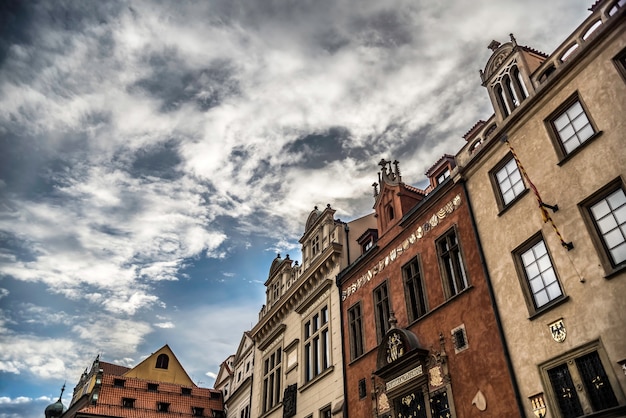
(155, 156)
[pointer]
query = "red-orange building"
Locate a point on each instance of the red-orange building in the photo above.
(157, 387)
(421, 336)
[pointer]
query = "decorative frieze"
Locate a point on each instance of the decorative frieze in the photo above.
(418, 234)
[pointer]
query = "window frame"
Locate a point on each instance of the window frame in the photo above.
(411, 288)
(495, 183)
(619, 61)
(597, 238)
(382, 309)
(272, 379)
(557, 142)
(522, 275)
(569, 359)
(355, 326)
(317, 350)
(461, 270)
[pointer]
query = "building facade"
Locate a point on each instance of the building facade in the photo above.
(546, 179)
(421, 337)
(298, 368)
(238, 403)
(158, 387)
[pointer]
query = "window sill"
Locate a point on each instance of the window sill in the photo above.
(316, 379)
(615, 271)
(270, 411)
(566, 157)
(539, 312)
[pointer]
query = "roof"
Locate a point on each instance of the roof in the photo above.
(114, 369)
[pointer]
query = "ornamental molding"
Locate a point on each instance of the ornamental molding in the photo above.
(393, 255)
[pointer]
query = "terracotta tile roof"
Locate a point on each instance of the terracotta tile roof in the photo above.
(110, 398)
(114, 369)
(534, 51)
(474, 129)
(439, 164)
(415, 189)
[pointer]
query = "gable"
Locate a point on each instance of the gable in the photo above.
(161, 366)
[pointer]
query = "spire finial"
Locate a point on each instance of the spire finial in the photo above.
(62, 390)
(375, 185)
(513, 40)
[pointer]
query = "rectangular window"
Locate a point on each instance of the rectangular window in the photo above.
(272, 380)
(197, 411)
(382, 310)
(362, 389)
(411, 405)
(163, 406)
(119, 383)
(508, 182)
(315, 246)
(316, 344)
(326, 412)
(451, 262)
(414, 289)
(441, 177)
(540, 283)
(571, 127)
(620, 63)
(608, 214)
(355, 326)
(185, 391)
(128, 402)
(153, 387)
(579, 382)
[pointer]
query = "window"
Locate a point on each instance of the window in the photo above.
(326, 412)
(441, 177)
(128, 402)
(197, 411)
(605, 212)
(153, 387)
(451, 262)
(414, 289)
(245, 412)
(185, 391)
(163, 406)
(362, 389)
(315, 245)
(508, 182)
(459, 338)
(119, 383)
(390, 213)
(411, 405)
(541, 285)
(316, 344)
(162, 361)
(578, 383)
(571, 126)
(216, 395)
(272, 380)
(355, 326)
(382, 309)
(620, 62)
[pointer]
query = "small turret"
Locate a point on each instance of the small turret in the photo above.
(56, 409)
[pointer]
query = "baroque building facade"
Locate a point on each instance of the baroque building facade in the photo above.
(298, 368)
(421, 337)
(546, 178)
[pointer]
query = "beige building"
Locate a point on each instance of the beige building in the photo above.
(298, 369)
(546, 179)
(237, 404)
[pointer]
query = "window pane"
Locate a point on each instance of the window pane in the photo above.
(619, 253)
(544, 263)
(614, 238)
(600, 209)
(554, 291)
(541, 298)
(617, 199)
(607, 224)
(560, 122)
(585, 133)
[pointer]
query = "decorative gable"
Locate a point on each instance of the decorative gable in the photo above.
(161, 366)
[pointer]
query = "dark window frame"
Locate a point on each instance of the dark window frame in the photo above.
(414, 289)
(128, 402)
(557, 142)
(522, 275)
(317, 346)
(162, 361)
(382, 309)
(355, 331)
(620, 63)
(495, 184)
(597, 238)
(272, 379)
(454, 276)
(163, 406)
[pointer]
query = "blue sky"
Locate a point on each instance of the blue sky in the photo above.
(155, 156)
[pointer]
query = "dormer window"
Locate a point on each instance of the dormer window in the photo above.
(441, 177)
(367, 240)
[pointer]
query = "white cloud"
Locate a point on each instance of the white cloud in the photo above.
(164, 325)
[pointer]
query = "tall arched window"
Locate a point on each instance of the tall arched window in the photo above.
(520, 83)
(502, 101)
(162, 361)
(511, 91)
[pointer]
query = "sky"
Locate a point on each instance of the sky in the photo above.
(155, 156)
